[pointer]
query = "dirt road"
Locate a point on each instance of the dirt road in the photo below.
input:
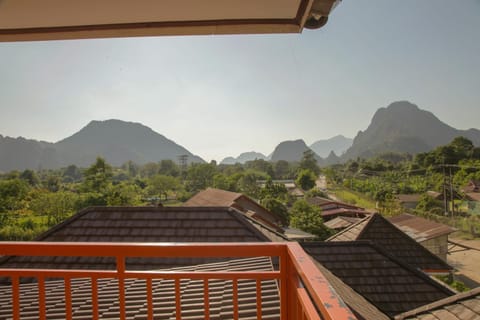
(466, 262)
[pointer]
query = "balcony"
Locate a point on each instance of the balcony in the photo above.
(293, 289)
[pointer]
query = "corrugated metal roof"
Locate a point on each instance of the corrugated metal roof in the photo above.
(388, 283)
(145, 224)
(341, 222)
(383, 233)
(220, 295)
(462, 306)
(419, 228)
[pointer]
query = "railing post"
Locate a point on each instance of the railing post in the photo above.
(121, 285)
(16, 298)
(284, 285)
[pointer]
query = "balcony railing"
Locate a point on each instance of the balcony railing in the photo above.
(303, 291)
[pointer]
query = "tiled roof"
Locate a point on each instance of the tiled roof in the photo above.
(212, 197)
(341, 222)
(325, 203)
(145, 224)
(361, 307)
(388, 283)
(344, 211)
(383, 233)
(419, 228)
(220, 294)
(462, 306)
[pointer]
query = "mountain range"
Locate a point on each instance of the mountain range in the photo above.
(400, 127)
(115, 140)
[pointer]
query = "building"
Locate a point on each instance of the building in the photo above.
(462, 306)
(408, 201)
(332, 209)
(217, 197)
(387, 236)
(432, 235)
(387, 282)
(339, 223)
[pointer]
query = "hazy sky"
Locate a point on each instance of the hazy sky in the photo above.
(219, 96)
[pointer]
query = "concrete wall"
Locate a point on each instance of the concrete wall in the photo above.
(438, 246)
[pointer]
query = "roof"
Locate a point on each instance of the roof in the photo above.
(297, 234)
(145, 224)
(473, 196)
(408, 197)
(383, 233)
(419, 228)
(54, 19)
(384, 280)
(341, 222)
(344, 211)
(361, 307)
(462, 306)
(220, 294)
(211, 197)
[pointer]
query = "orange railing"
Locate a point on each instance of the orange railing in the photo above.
(304, 293)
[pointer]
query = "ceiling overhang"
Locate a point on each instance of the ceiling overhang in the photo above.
(28, 20)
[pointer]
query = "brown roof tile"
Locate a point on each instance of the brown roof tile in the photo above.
(388, 283)
(383, 233)
(146, 224)
(419, 228)
(462, 306)
(220, 294)
(341, 222)
(212, 197)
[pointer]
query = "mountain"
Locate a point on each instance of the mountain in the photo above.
(244, 157)
(118, 142)
(20, 154)
(338, 144)
(403, 127)
(291, 151)
(115, 140)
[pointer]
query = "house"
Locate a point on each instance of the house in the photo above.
(387, 282)
(217, 197)
(146, 224)
(290, 185)
(462, 306)
(472, 186)
(432, 235)
(408, 201)
(332, 209)
(339, 223)
(386, 235)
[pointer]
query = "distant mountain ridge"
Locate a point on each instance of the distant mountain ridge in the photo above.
(403, 127)
(338, 144)
(292, 151)
(244, 157)
(115, 140)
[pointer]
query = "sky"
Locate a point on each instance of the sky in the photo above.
(219, 96)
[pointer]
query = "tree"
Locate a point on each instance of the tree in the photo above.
(309, 162)
(200, 176)
(309, 219)
(169, 168)
(56, 206)
(276, 207)
(161, 185)
(306, 179)
(98, 176)
(30, 176)
(281, 169)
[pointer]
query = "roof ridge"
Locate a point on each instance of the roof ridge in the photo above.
(348, 228)
(442, 302)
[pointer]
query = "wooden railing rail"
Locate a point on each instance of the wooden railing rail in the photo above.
(304, 292)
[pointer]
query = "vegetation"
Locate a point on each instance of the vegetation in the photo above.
(376, 182)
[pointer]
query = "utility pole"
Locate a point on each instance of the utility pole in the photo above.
(452, 195)
(445, 199)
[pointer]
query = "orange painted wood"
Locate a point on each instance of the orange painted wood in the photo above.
(16, 298)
